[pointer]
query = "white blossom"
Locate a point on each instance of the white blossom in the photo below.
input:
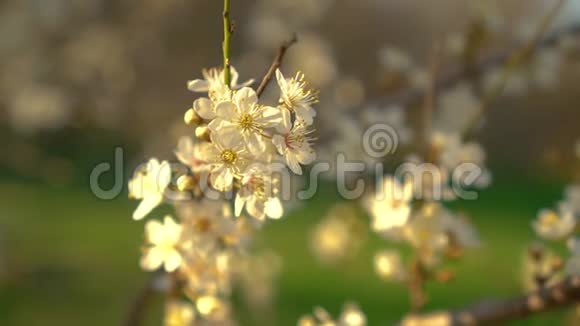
(572, 199)
(573, 262)
(214, 84)
(245, 118)
(389, 265)
(258, 193)
(189, 153)
(149, 184)
(552, 225)
(295, 145)
(295, 97)
(163, 245)
(390, 207)
(227, 157)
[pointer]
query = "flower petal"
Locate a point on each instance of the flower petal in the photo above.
(152, 258)
(245, 98)
(204, 107)
(274, 208)
(146, 206)
(172, 261)
(198, 85)
(226, 110)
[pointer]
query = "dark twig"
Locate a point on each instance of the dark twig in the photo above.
(560, 295)
(138, 307)
(275, 64)
(429, 103)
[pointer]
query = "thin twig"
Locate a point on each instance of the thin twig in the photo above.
(416, 285)
(138, 307)
(430, 102)
(454, 75)
(227, 42)
(275, 64)
(562, 294)
(513, 62)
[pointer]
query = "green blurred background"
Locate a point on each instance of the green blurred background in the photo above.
(83, 77)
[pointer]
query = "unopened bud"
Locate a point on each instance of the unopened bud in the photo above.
(185, 183)
(202, 132)
(192, 118)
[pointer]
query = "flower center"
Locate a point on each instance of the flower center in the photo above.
(246, 121)
(228, 156)
(550, 219)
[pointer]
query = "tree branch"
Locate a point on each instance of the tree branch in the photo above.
(275, 64)
(457, 74)
(138, 306)
(562, 294)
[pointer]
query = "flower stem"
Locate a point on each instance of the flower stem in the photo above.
(227, 42)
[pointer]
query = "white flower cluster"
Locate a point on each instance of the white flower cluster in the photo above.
(432, 229)
(561, 225)
(242, 148)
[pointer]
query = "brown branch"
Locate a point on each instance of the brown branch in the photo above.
(138, 306)
(562, 294)
(416, 285)
(275, 64)
(456, 74)
(429, 103)
(512, 62)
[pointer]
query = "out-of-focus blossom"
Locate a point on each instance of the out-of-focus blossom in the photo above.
(37, 107)
(457, 109)
(210, 226)
(179, 313)
(163, 245)
(214, 310)
(351, 315)
(338, 236)
(389, 266)
(542, 71)
(572, 199)
(402, 69)
(348, 142)
(436, 230)
(395, 59)
(207, 274)
(452, 153)
(393, 116)
(390, 207)
(552, 225)
(149, 184)
(573, 262)
(541, 268)
(259, 194)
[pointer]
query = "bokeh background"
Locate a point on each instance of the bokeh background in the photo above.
(82, 77)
